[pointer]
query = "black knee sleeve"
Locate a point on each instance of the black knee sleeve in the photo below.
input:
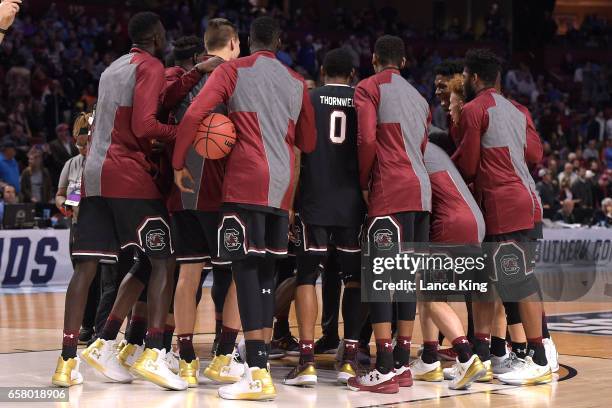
(307, 269)
(285, 269)
(513, 315)
(350, 266)
(352, 312)
(222, 279)
(381, 312)
(265, 271)
(248, 292)
(406, 310)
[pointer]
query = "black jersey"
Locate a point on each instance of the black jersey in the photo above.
(329, 192)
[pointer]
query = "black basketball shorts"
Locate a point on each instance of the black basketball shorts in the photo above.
(250, 232)
(511, 263)
(195, 235)
(108, 225)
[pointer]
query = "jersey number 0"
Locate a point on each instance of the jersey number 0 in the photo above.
(337, 127)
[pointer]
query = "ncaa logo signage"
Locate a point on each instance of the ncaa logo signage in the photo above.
(156, 239)
(383, 239)
(231, 239)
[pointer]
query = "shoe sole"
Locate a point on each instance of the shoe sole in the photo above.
(428, 378)
(302, 381)
(157, 380)
(266, 397)
(343, 378)
(383, 388)
(327, 351)
(481, 373)
(231, 380)
(292, 353)
(100, 369)
(276, 356)
(545, 379)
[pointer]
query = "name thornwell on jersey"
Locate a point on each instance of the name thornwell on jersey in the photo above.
(336, 101)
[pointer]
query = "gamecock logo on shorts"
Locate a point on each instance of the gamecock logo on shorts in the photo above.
(231, 239)
(383, 239)
(509, 264)
(156, 240)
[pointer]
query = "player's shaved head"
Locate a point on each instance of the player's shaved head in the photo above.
(265, 34)
(390, 50)
(338, 63)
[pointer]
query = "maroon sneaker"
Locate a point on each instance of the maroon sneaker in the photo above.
(404, 376)
(374, 381)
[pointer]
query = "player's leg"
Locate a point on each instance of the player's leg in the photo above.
(283, 342)
(427, 367)
(222, 279)
(254, 278)
(95, 239)
(383, 238)
(525, 290)
(331, 286)
(354, 313)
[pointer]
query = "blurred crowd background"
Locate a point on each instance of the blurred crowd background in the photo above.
(52, 59)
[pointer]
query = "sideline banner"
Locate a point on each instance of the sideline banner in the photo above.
(30, 258)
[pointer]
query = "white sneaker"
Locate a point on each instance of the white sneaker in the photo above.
(255, 385)
(101, 355)
(529, 374)
(505, 364)
(449, 373)
(129, 354)
(421, 371)
(241, 349)
(375, 381)
(464, 374)
(225, 368)
(551, 354)
(152, 366)
(172, 359)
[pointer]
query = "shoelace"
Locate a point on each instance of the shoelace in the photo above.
(513, 361)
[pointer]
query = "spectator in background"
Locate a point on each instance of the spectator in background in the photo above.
(567, 173)
(36, 185)
(591, 152)
(582, 195)
(603, 217)
(566, 213)
(548, 193)
(56, 106)
(607, 154)
(9, 169)
(17, 80)
(9, 196)
(565, 191)
(60, 151)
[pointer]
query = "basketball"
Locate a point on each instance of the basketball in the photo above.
(215, 137)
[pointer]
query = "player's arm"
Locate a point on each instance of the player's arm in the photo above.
(217, 90)
(149, 85)
(467, 156)
(296, 181)
(305, 130)
(178, 87)
(366, 102)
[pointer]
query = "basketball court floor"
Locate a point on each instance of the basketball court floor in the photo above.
(30, 333)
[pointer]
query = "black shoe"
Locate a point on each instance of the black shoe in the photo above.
(364, 357)
(93, 338)
(288, 344)
(326, 345)
(85, 334)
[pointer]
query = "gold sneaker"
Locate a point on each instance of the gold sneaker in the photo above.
(190, 372)
(129, 353)
(422, 371)
(303, 375)
(464, 374)
(255, 385)
(224, 369)
(67, 372)
(489, 374)
(152, 366)
(346, 370)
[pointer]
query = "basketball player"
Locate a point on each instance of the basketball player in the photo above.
(331, 209)
(195, 217)
(497, 140)
(393, 120)
(271, 110)
(122, 205)
(456, 223)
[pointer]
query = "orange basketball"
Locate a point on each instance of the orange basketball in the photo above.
(215, 137)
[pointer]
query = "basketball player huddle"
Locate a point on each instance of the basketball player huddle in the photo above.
(297, 171)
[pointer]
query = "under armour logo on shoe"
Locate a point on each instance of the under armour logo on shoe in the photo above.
(268, 291)
(70, 336)
(307, 346)
(372, 377)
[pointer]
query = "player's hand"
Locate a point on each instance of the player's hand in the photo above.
(8, 10)
(206, 67)
(366, 196)
(179, 179)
